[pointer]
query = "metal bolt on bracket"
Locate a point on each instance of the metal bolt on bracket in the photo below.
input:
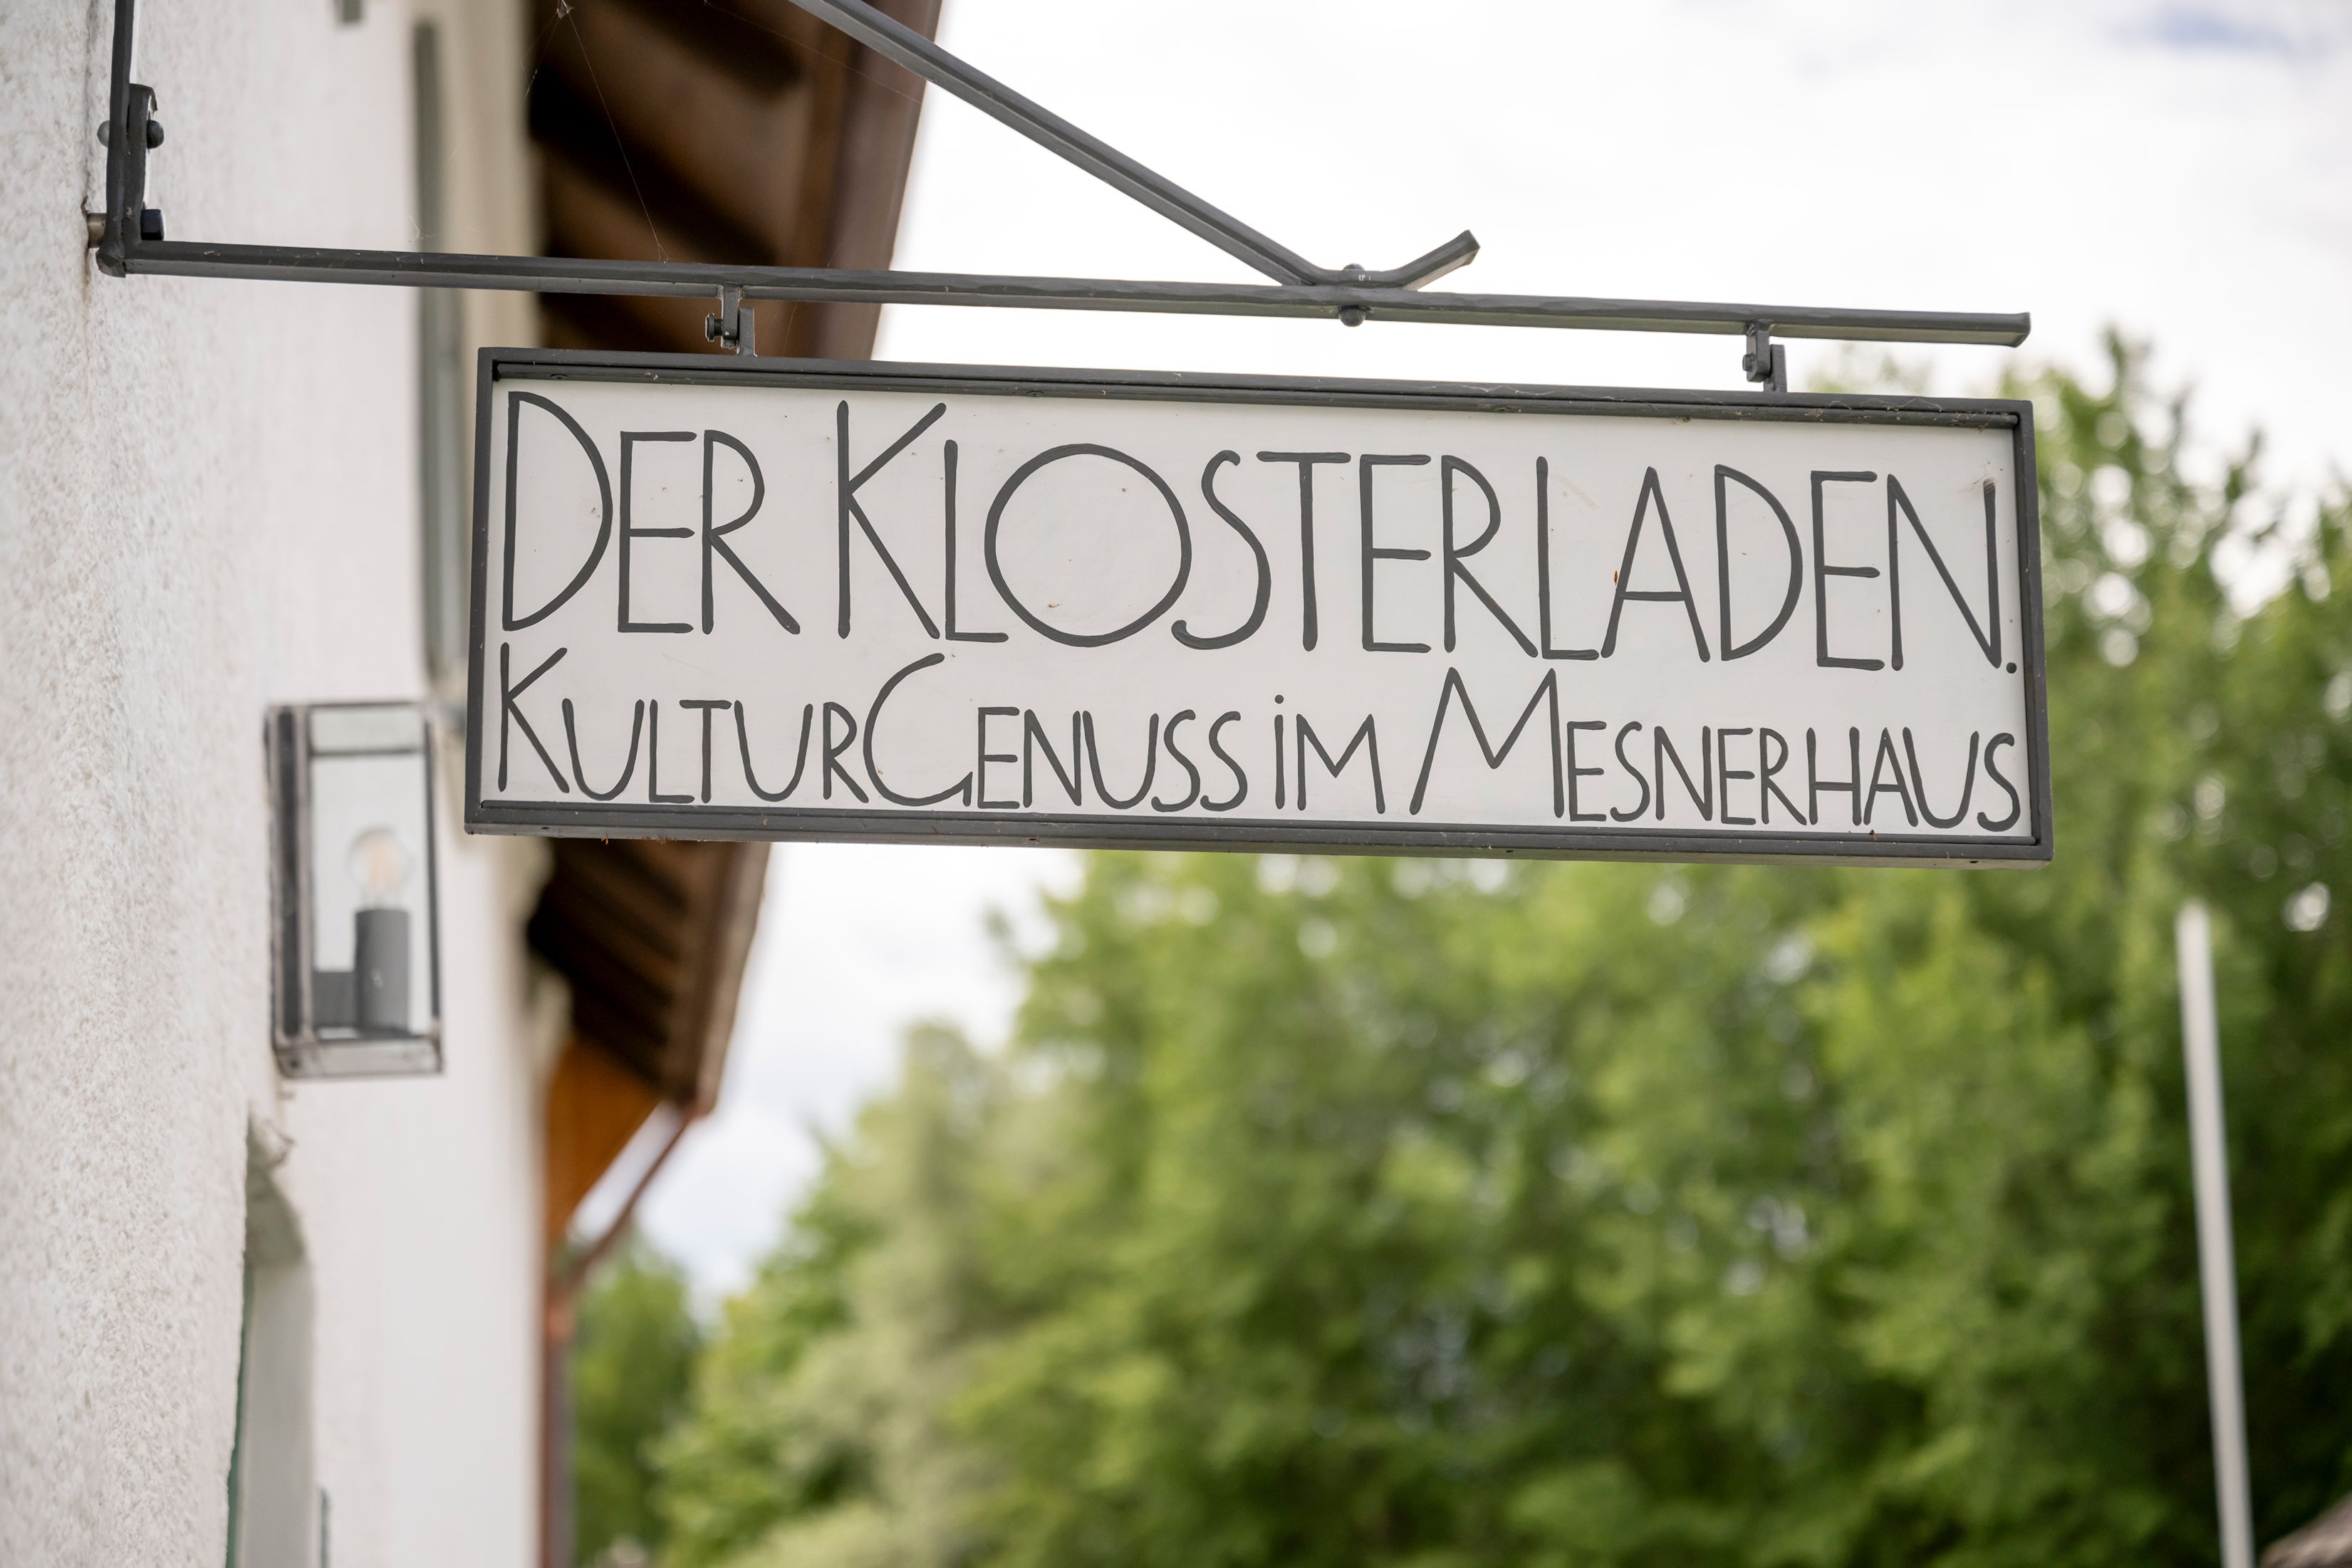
(734, 327)
(154, 133)
(1766, 361)
(1353, 315)
(150, 226)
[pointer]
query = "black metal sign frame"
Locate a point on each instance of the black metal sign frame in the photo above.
(1385, 836)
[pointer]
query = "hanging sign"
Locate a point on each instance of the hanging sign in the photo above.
(745, 599)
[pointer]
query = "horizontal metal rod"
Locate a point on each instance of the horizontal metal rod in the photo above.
(559, 274)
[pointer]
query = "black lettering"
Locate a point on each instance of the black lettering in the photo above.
(1726, 773)
(1765, 740)
(1280, 758)
(986, 757)
(961, 788)
(1033, 740)
(1816, 786)
(1447, 468)
(1625, 588)
(1878, 765)
(1373, 553)
(572, 739)
(1547, 691)
(1732, 650)
(629, 438)
(833, 750)
(1265, 570)
(1987, 636)
(1240, 779)
(1307, 462)
(1543, 569)
(1919, 784)
(653, 766)
(1192, 774)
(1662, 751)
(1824, 572)
(706, 704)
(1093, 764)
(1365, 737)
(800, 758)
(949, 617)
(714, 541)
(2016, 805)
(1632, 771)
(1574, 772)
(507, 618)
(509, 711)
(847, 508)
(996, 566)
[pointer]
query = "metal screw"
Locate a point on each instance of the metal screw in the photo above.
(1352, 314)
(154, 133)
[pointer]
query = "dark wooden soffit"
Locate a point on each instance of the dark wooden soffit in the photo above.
(718, 131)
(740, 130)
(595, 1104)
(652, 936)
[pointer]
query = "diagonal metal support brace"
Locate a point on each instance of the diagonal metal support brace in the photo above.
(895, 40)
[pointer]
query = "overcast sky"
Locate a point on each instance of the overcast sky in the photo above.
(2182, 172)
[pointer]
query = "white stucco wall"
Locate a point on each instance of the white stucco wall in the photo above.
(208, 504)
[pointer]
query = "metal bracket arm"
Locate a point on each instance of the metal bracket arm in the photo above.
(569, 275)
(130, 131)
(129, 236)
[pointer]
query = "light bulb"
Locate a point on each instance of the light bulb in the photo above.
(380, 866)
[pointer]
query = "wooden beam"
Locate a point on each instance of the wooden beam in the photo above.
(753, 133)
(595, 1103)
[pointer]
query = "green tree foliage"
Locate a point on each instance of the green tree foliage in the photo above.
(632, 1352)
(820, 1431)
(1345, 1213)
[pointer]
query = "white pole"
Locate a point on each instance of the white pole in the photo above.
(2216, 1259)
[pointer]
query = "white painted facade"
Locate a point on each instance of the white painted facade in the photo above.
(209, 503)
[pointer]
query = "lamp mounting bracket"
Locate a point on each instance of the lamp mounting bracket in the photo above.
(129, 239)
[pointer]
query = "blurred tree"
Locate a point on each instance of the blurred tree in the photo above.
(1429, 1214)
(819, 1429)
(631, 1359)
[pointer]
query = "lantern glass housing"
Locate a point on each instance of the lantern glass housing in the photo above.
(356, 958)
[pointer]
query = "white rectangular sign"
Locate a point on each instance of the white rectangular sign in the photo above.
(740, 597)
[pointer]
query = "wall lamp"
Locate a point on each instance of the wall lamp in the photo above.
(354, 953)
